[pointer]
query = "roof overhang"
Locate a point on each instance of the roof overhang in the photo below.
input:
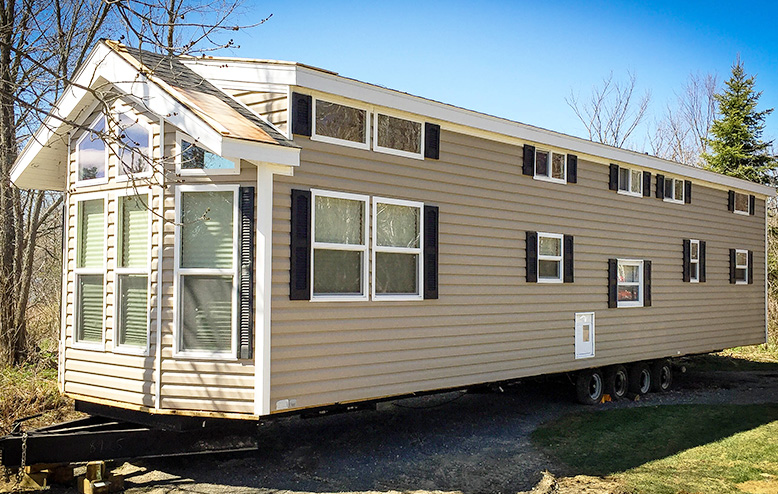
(42, 164)
(242, 72)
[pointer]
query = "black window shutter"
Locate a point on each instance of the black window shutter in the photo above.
(646, 184)
(529, 160)
(750, 268)
(646, 283)
(431, 252)
(731, 204)
(687, 191)
(569, 264)
(300, 262)
(660, 186)
(431, 141)
(572, 169)
(702, 262)
(613, 183)
(302, 114)
(687, 260)
(732, 266)
(613, 286)
(246, 274)
(751, 204)
(532, 257)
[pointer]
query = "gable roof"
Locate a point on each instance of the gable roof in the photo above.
(168, 89)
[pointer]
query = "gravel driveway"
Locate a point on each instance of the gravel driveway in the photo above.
(463, 442)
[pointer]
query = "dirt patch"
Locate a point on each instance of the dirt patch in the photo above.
(768, 486)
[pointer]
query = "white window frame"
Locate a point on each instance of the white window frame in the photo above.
(77, 271)
(549, 168)
(118, 271)
(180, 272)
(673, 199)
(143, 122)
(335, 140)
(744, 267)
(629, 191)
(640, 282)
(397, 152)
(363, 248)
(85, 135)
(560, 258)
(693, 261)
(419, 251)
(200, 172)
(747, 211)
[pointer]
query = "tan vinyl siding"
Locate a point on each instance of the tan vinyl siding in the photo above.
(271, 106)
(489, 323)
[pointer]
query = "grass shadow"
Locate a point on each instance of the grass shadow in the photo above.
(607, 442)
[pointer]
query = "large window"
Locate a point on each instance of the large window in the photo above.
(91, 154)
(550, 255)
(630, 182)
(207, 269)
(134, 146)
(550, 166)
(340, 124)
(339, 246)
(397, 248)
(398, 136)
(132, 272)
(90, 268)
(630, 283)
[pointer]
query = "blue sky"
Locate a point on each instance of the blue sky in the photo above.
(519, 60)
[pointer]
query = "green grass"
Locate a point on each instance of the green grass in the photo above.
(746, 358)
(28, 390)
(669, 449)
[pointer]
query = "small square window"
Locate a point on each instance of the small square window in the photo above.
(196, 160)
(742, 203)
(630, 182)
(674, 190)
(551, 166)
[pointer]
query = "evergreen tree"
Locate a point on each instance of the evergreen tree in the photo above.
(736, 146)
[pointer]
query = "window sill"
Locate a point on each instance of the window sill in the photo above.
(88, 345)
(623, 305)
(673, 201)
(192, 355)
(549, 280)
(744, 213)
(341, 142)
(398, 152)
(631, 194)
(397, 298)
(339, 298)
(131, 350)
(543, 178)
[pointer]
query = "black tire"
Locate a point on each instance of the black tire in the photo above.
(639, 378)
(661, 376)
(589, 386)
(617, 381)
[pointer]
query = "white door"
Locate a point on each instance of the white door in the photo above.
(584, 334)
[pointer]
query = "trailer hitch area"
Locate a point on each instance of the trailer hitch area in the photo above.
(16, 427)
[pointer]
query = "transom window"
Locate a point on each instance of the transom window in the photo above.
(550, 166)
(207, 269)
(397, 248)
(90, 271)
(629, 277)
(91, 153)
(339, 246)
(132, 277)
(630, 182)
(340, 124)
(196, 160)
(742, 203)
(694, 261)
(741, 266)
(674, 190)
(550, 254)
(398, 136)
(134, 146)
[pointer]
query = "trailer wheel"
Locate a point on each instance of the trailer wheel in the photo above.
(661, 376)
(616, 381)
(640, 378)
(589, 386)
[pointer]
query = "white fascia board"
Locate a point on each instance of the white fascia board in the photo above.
(244, 75)
(261, 152)
(353, 89)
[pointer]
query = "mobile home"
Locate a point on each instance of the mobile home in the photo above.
(252, 237)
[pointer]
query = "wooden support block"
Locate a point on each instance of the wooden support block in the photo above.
(34, 481)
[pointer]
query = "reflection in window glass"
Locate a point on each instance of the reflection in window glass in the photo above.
(630, 281)
(340, 122)
(397, 226)
(399, 134)
(558, 166)
(541, 163)
(549, 257)
(193, 157)
(134, 152)
(636, 186)
(741, 202)
(91, 153)
(339, 221)
(397, 246)
(396, 273)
